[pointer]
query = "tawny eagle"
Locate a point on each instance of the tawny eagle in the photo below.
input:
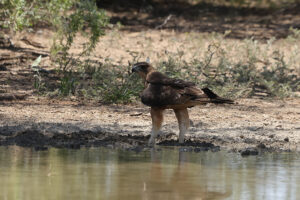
(162, 92)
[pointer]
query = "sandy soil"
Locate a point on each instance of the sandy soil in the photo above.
(27, 119)
(30, 120)
(265, 124)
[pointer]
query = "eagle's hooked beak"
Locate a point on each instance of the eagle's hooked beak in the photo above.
(135, 69)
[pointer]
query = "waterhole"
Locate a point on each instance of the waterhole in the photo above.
(164, 173)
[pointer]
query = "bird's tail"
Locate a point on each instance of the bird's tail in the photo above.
(215, 98)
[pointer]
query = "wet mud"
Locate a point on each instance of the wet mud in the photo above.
(270, 126)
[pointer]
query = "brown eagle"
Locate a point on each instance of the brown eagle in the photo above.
(162, 92)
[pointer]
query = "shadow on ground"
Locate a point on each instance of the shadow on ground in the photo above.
(68, 135)
(181, 16)
(41, 136)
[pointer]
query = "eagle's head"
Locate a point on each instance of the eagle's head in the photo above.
(142, 68)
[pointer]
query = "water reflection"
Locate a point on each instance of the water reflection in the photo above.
(167, 174)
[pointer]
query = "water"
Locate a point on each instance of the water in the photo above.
(100, 173)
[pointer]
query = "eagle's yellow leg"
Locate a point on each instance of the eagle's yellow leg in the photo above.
(157, 120)
(182, 116)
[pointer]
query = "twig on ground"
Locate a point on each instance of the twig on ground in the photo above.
(165, 22)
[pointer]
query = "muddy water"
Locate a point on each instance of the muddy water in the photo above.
(168, 173)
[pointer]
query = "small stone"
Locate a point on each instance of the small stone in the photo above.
(254, 128)
(261, 145)
(286, 139)
(249, 152)
(215, 149)
(185, 149)
(3, 68)
(40, 148)
(200, 149)
(74, 146)
(136, 149)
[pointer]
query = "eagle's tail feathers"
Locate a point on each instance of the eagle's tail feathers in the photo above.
(215, 98)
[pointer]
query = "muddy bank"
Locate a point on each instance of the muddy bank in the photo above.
(248, 126)
(41, 140)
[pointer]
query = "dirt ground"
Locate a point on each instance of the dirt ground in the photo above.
(264, 124)
(30, 120)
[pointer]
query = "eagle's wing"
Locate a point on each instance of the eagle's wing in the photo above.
(162, 90)
(180, 86)
(159, 78)
(171, 92)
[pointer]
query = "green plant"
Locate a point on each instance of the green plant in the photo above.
(115, 84)
(68, 84)
(16, 14)
(87, 20)
(68, 19)
(294, 34)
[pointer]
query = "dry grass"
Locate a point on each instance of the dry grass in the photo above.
(236, 68)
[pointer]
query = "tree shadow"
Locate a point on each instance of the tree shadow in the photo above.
(181, 16)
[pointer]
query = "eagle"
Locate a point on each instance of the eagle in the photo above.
(162, 92)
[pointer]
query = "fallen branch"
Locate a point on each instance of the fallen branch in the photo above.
(10, 97)
(32, 43)
(165, 22)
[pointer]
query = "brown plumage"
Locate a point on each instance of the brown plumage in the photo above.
(162, 92)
